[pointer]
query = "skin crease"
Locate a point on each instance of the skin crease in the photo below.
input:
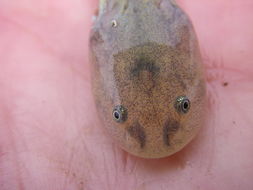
(50, 137)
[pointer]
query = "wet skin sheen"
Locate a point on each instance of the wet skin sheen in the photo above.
(144, 55)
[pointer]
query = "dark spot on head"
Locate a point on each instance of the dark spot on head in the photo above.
(158, 4)
(135, 10)
(136, 131)
(126, 6)
(169, 129)
(144, 64)
(96, 38)
(115, 5)
(225, 84)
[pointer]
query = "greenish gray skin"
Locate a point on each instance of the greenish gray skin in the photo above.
(144, 57)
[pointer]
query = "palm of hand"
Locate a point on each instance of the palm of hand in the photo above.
(50, 137)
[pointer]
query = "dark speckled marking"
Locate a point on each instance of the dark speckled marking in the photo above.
(136, 131)
(170, 128)
(96, 38)
(126, 6)
(144, 64)
(136, 10)
(158, 3)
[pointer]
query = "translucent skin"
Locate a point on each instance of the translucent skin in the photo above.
(144, 60)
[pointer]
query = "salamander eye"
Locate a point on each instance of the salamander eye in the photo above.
(183, 104)
(119, 114)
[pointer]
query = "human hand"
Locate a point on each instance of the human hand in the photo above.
(50, 136)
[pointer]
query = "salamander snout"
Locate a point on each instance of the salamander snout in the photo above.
(151, 132)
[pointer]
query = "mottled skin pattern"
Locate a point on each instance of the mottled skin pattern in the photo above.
(144, 63)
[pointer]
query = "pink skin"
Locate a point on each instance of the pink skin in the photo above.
(50, 137)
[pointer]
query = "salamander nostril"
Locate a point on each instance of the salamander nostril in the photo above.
(169, 129)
